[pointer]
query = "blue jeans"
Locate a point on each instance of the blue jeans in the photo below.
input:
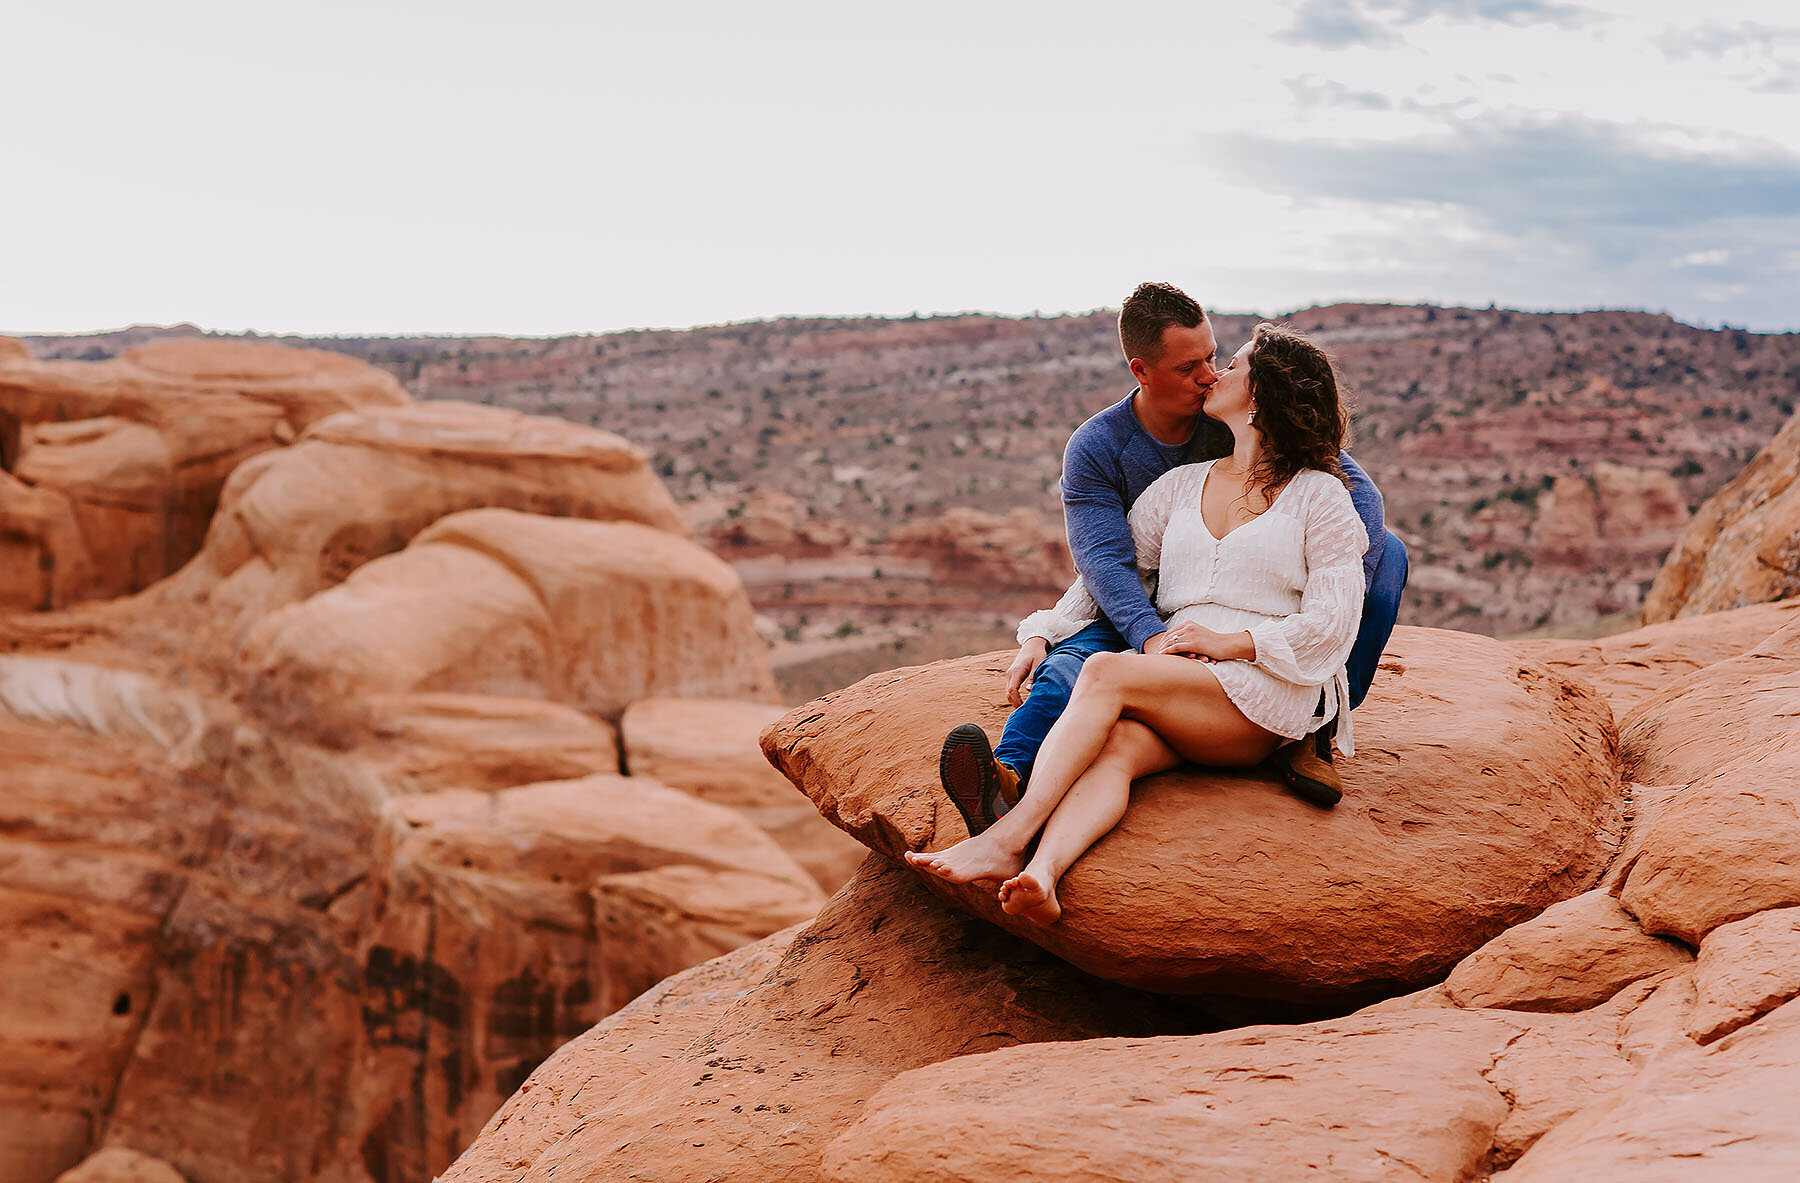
(1055, 678)
(1380, 607)
(1051, 686)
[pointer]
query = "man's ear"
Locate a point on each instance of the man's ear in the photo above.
(1139, 369)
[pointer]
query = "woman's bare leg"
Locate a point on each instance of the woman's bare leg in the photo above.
(1091, 808)
(1177, 697)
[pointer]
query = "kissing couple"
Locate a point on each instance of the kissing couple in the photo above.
(1224, 492)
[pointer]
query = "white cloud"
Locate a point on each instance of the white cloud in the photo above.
(1712, 258)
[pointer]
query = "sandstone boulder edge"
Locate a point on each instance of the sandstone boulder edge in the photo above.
(1484, 789)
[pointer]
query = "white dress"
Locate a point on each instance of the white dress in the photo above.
(1292, 577)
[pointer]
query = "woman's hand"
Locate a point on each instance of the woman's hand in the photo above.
(1018, 675)
(1197, 641)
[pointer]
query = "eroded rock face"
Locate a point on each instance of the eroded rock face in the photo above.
(360, 485)
(117, 465)
(1477, 778)
(886, 979)
(584, 1075)
(1576, 1044)
(322, 901)
(1352, 1099)
(1726, 845)
(1631, 666)
(116, 1164)
(1743, 546)
(1576, 955)
(708, 747)
(496, 942)
(492, 601)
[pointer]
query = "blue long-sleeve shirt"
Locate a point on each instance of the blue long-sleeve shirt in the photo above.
(1110, 460)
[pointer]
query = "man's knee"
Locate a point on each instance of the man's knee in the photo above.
(1059, 669)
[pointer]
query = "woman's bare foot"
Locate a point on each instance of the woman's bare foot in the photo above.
(973, 860)
(1032, 895)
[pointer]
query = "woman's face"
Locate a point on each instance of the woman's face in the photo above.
(1229, 399)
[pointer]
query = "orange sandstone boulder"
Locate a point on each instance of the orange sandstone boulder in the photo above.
(495, 602)
(136, 450)
(1631, 666)
(885, 980)
(1726, 845)
(708, 747)
(426, 741)
(1573, 956)
(1743, 546)
(1720, 1112)
(1484, 789)
(583, 1076)
(490, 949)
(651, 924)
(1424, 1094)
(360, 485)
(1746, 969)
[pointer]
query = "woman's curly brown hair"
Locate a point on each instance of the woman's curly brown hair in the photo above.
(1299, 412)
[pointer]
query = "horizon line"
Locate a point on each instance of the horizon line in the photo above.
(778, 318)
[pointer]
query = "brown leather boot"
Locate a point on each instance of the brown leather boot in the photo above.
(1306, 766)
(1007, 789)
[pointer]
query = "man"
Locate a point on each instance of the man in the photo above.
(1111, 459)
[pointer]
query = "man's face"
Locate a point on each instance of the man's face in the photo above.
(1177, 382)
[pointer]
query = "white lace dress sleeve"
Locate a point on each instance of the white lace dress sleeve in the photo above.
(1149, 518)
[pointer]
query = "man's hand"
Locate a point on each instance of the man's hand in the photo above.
(1018, 675)
(1155, 643)
(1198, 641)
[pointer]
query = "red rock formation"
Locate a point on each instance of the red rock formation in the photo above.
(1243, 902)
(324, 834)
(492, 601)
(1618, 520)
(984, 550)
(708, 747)
(116, 466)
(1743, 546)
(355, 487)
(1630, 667)
(1576, 1045)
(885, 980)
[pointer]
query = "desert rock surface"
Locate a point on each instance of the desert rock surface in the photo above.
(326, 830)
(1585, 1041)
(1483, 790)
(1743, 546)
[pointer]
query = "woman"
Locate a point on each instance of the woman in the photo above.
(1259, 561)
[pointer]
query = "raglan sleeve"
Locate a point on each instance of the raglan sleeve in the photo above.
(1100, 538)
(1148, 522)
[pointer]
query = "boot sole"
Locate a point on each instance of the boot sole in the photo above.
(966, 772)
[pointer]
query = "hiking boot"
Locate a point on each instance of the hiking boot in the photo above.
(1008, 789)
(1305, 765)
(970, 776)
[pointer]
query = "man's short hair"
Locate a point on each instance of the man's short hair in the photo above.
(1149, 310)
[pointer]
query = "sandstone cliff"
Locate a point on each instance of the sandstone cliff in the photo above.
(1743, 547)
(316, 846)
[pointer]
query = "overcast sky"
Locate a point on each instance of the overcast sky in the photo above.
(539, 168)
